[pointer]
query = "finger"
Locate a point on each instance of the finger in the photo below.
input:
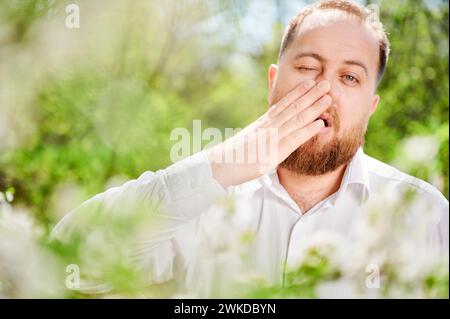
(302, 103)
(294, 94)
(291, 142)
(305, 117)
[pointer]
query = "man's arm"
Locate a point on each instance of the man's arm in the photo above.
(181, 191)
(187, 188)
(172, 197)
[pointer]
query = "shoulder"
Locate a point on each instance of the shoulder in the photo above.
(385, 176)
(387, 179)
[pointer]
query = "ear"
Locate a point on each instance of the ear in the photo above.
(273, 70)
(375, 101)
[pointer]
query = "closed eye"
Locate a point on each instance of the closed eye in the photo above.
(304, 68)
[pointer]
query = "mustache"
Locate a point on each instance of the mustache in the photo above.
(332, 111)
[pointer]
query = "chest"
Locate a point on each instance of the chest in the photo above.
(282, 231)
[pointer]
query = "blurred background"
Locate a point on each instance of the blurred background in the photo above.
(83, 109)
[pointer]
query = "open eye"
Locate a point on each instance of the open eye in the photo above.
(351, 79)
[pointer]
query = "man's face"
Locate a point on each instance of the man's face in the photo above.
(345, 53)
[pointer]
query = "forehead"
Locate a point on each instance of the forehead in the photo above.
(336, 36)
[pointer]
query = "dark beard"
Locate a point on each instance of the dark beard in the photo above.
(312, 158)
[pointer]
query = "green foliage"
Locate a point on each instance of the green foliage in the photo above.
(109, 108)
(414, 90)
(86, 106)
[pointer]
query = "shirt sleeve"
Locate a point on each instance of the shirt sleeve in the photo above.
(441, 234)
(174, 196)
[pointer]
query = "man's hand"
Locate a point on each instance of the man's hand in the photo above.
(286, 125)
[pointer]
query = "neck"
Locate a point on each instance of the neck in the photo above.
(307, 190)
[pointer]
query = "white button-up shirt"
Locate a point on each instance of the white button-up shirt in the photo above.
(194, 216)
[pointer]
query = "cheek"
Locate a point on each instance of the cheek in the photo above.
(281, 87)
(352, 114)
(275, 95)
(288, 79)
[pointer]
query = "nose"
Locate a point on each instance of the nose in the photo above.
(335, 90)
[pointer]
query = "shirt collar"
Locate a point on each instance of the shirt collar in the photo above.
(355, 181)
(356, 176)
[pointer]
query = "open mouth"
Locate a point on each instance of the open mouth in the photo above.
(326, 119)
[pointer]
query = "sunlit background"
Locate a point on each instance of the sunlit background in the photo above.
(83, 109)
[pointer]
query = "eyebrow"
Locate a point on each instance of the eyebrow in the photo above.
(322, 59)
